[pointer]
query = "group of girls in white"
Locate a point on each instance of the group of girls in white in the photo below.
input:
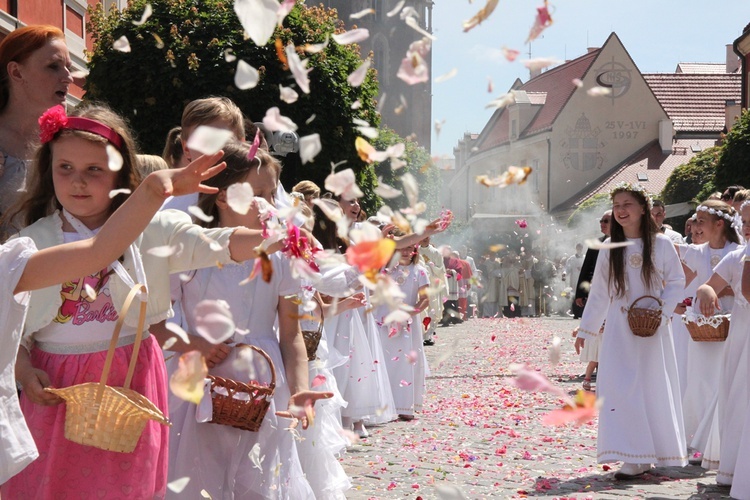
(365, 371)
(667, 399)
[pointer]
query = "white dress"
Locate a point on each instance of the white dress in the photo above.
(640, 420)
(17, 448)
(734, 389)
(216, 457)
(402, 343)
(324, 442)
(704, 358)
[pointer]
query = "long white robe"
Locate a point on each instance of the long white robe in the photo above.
(640, 420)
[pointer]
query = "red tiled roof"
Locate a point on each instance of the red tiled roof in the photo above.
(556, 84)
(651, 161)
(695, 102)
(702, 68)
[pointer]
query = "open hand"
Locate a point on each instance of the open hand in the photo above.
(187, 180)
(301, 407)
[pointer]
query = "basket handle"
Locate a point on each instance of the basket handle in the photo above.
(116, 335)
(661, 304)
(263, 353)
(320, 307)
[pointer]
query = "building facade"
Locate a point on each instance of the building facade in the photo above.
(407, 109)
(579, 144)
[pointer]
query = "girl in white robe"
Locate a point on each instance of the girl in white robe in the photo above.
(733, 399)
(640, 422)
(704, 358)
(226, 462)
(402, 340)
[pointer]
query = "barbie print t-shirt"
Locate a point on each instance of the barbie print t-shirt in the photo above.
(87, 304)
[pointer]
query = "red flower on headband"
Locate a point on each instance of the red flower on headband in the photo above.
(51, 122)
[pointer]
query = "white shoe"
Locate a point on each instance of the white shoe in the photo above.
(630, 471)
(360, 430)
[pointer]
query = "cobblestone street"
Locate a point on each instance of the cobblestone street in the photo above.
(480, 437)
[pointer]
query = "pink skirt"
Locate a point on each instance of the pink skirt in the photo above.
(65, 469)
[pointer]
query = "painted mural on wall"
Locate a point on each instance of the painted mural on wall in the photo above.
(582, 146)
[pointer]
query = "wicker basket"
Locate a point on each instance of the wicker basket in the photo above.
(110, 418)
(245, 414)
(708, 333)
(312, 337)
(644, 321)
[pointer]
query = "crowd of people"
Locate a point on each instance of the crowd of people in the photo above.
(85, 219)
(88, 219)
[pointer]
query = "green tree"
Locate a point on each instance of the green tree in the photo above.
(596, 204)
(688, 182)
(418, 164)
(178, 55)
(732, 167)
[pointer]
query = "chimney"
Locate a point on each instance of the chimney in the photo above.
(731, 113)
(589, 50)
(666, 132)
(533, 73)
(733, 61)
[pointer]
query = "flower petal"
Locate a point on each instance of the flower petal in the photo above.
(288, 95)
(187, 381)
(122, 44)
(358, 76)
(146, 14)
(213, 320)
(351, 36)
(274, 121)
(309, 147)
(114, 158)
(258, 18)
(208, 140)
(245, 76)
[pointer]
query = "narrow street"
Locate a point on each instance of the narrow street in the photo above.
(481, 437)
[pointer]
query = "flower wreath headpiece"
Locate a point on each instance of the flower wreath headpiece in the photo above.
(633, 188)
(717, 213)
(54, 120)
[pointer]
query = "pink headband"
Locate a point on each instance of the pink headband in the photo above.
(54, 119)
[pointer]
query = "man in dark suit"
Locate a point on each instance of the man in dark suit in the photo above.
(587, 269)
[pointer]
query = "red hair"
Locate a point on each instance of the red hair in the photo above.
(18, 46)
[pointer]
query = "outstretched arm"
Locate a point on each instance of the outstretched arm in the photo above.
(58, 264)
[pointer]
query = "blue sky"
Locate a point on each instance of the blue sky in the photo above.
(657, 33)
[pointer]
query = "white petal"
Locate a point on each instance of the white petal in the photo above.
(229, 55)
(385, 191)
(245, 77)
(411, 188)
(540, 63)
(288, 95)
(255, 457)
(358, 76)
(165, 250)
(361, 13)
(343, 184)
(396, 9)
(352, 36)
(178, 331)
(275, 121)
(369, 132)
(258, 18)
(599, 245)
(115, 192)
(196, 212)
(298, 67)
(122, 44)
(356, 104)
(90, 292)
(599, 91)
(309, 147)
(178, 485)
(396, 151)
(146, 14)
(240, 197)
(310, 120)
(397, 316)
(114, 158)
(213, 321)
(446, 76)
(209, 140)
(212, 244)
(414, 24)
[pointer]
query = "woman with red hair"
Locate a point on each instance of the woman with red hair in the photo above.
(34, 76)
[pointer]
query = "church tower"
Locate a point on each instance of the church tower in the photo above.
(407, 109)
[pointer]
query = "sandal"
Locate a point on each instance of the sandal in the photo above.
(587, 384)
